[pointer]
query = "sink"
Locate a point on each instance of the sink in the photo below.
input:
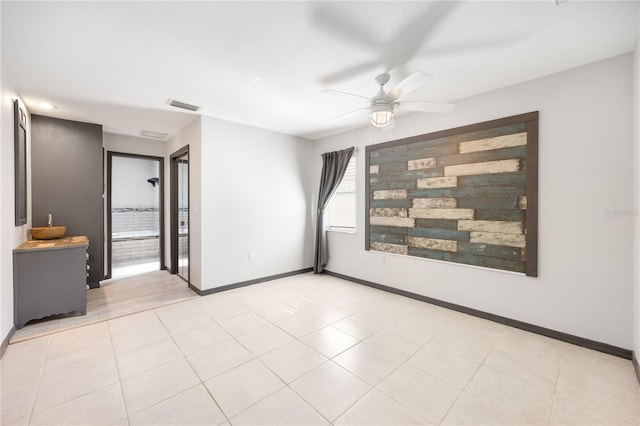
(48, 232)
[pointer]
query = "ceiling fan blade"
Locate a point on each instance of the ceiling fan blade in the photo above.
(346, 114)
(411, 83)
(348, 72)
(340, 92)
(425, 106)
(336, 24)
(411, 36)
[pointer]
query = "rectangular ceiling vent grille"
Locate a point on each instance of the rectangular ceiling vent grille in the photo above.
(182, 105)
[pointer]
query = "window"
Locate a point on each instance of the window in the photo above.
(341, 211)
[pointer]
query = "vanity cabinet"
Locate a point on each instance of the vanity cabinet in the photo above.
(49, 278)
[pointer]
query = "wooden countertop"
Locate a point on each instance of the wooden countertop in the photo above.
(59, 243)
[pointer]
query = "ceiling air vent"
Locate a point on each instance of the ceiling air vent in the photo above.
(152, 134)
(182, 105)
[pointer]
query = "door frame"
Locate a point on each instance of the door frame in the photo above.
(173, 195)
(110, 155)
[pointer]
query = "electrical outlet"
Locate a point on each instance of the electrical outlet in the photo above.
(252, 256)
(383, 260)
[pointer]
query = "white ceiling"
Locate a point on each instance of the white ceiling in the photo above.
(262, 63)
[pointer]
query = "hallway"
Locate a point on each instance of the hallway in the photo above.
(115, 298)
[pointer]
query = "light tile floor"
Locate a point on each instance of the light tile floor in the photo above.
(310, 350)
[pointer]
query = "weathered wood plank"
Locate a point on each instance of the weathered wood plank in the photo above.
(388, 248)
(374, 169)
(442, 234)
(392, 221)
(441, 213)
(392, 169)
(455, 140)
(387, 238)
(522, 202)
(496, 142)
(469, 259)
(438, 182)
(496, 226)
(392, 203)
(469, 191)
(432, 243)
(388, 230)
(421, 163)
(432, 150)
(508, 215)
(437, 223)
(435, 203)
(431, 193)
(405, 175)
(498, 179)
(487, 203)
(377, 184)
(500, 166)
(432, 254)
(388, 212)
(501, 252)
(388, 155)
(489, 133)
(517, 152)
(396, 194)
(511, 240)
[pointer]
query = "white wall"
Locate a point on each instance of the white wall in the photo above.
(585, 208)
(190, 135)
(10, 235)
(636, 205)
(129, 186)
(133, 145)
(255, 199)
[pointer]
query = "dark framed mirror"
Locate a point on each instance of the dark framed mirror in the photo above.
(20, 163)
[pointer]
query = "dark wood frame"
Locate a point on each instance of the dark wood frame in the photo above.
(110, 155)
(531, 121)
(20, 163)
(173, 196)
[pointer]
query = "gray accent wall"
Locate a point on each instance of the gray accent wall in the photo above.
(66, 178)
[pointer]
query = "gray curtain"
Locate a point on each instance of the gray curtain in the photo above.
(334, 165)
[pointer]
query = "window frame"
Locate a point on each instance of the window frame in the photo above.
(349, 176)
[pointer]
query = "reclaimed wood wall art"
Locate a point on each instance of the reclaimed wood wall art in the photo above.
(467, 195)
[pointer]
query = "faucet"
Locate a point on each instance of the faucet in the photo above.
(50, 223)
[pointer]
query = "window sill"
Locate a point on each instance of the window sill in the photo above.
(342, 230)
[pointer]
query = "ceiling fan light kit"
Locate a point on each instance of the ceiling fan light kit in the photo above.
(382, 105)
(381, 114)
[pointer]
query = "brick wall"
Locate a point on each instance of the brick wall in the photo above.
(135, 218)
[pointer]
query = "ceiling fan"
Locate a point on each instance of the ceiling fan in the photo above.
(392, 53)
(382, 106)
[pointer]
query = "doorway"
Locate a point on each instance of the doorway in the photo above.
(180, 213)
(135, 217)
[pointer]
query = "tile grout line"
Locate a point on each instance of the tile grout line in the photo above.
(227, 419)
(298, 339)
(257, 358)
(555, 390)
(35, 393)
(115, 359)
